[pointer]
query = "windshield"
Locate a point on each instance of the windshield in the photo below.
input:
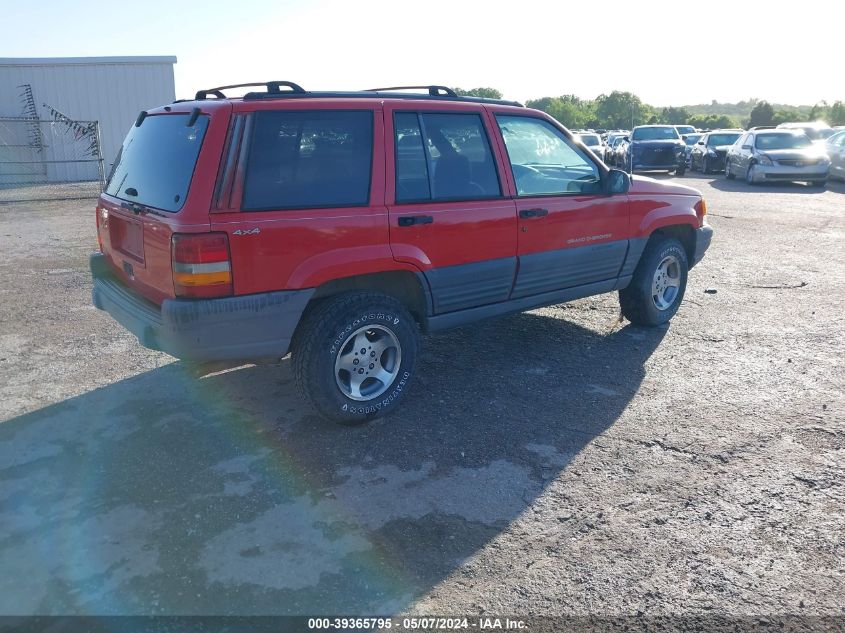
(782, 141)
(590, 140)
(655, 134)
(692, 139)
(155, 165)
(816, 133)
(716, 140)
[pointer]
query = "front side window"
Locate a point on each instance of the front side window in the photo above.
(309, 159)
(442, 156)
(544, 161)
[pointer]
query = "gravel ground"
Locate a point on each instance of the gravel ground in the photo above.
(553, 462)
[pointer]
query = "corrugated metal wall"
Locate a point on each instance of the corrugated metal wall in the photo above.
(109, 90)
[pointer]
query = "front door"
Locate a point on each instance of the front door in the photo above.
(448, 212)
(571, 233)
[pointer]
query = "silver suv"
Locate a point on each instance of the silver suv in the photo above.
(782, 155)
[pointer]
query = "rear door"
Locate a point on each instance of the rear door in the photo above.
(300, 194)
(449, 215)
(570, 232)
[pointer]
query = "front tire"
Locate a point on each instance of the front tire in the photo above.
(751, 175)
(354, 356)
(658, 285)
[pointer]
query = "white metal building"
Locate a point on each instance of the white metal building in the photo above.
(111, 90)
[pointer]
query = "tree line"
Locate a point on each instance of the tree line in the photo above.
(625, 110)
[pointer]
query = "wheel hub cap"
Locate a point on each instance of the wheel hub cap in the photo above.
(666, 282)
(368, 362)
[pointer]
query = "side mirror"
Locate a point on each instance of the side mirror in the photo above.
(626, 139)
(700, 143)
(618, 181)
(684, 136)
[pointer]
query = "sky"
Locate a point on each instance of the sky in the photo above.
(668, 53)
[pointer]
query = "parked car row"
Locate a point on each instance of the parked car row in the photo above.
(777, 155)
(809, 152)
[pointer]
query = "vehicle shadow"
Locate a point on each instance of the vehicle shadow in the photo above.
(164, 493)
(718, 181)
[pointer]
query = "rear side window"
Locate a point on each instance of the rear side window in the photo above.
(443, 157)
(309, 159)
(156, 163)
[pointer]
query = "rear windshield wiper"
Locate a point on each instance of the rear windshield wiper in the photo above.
(138, 209)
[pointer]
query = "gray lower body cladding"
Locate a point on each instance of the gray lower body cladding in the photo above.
(248, 327)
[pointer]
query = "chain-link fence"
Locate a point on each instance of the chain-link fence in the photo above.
(54, 159)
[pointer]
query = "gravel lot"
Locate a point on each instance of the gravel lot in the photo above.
(554, 462)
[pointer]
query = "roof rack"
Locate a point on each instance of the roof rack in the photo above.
(433, 91)
(273, 88)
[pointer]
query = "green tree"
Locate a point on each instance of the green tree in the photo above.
(674, 116)
(486, 93)
(621, 110)
(836, 116)
(713, 121)
(570, 110)
(761, 114)
(786, 114)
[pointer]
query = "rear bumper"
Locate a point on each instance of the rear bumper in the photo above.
(231, 328)
(703, 237)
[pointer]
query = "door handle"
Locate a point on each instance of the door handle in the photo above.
(533, 213)
(411, 220)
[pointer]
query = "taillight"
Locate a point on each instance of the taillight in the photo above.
(201, 265)
(101, 218)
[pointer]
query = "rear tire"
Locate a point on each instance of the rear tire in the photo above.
(327, 358)
(649, 299)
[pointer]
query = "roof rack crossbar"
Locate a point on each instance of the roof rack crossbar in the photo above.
(434, 91)
(273, 87)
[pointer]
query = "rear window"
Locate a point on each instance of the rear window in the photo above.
(309, 159)
(155, 165)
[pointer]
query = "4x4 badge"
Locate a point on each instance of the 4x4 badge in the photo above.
(254, 231)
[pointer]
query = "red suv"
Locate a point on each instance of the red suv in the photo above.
(337, 226)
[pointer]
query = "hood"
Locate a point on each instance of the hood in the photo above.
(807, 153)
(643, 185)
(660, 143)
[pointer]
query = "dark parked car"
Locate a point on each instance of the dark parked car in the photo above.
(614, 142)
(655, 148)
(708, 154)
(777, 155)
(690, 140)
